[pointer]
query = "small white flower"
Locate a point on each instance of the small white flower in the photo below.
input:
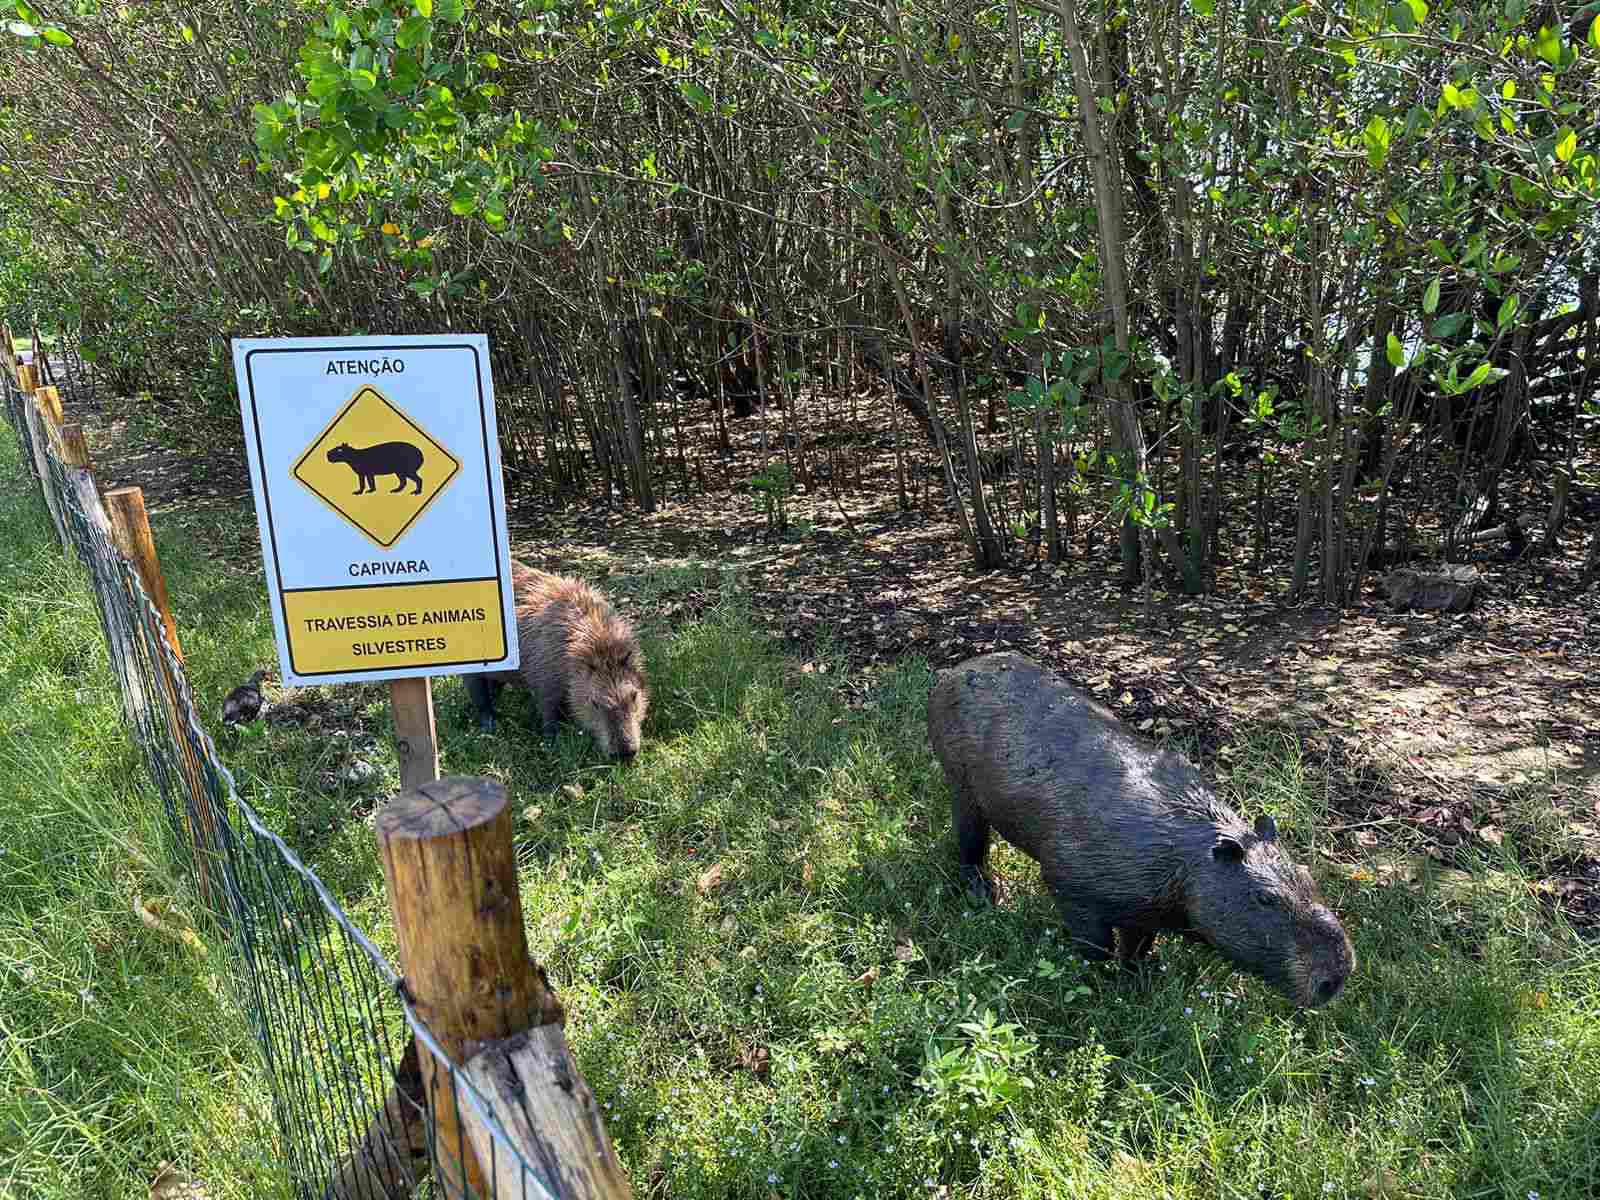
(833, 1164)
(772, 1177)
(1368, 1081)
(1188, 1012)
(1328, 1187)
(1249, 1058)
(1533, 1196)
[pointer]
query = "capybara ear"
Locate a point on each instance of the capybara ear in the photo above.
(1266, 828)
(1228, 849)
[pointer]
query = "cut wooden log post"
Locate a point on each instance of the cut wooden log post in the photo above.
(392, 1156)
(550, 1118)
(451, 872)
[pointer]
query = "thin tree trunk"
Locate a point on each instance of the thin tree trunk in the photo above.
(1108, 208)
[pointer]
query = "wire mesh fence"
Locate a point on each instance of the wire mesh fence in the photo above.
(339, 1040)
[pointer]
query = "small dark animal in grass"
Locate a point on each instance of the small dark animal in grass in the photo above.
(578, 657)
(243, 704)
(1127, 836)
(400, 459)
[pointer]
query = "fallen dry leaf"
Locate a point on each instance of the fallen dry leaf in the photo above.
(709, 878)
(1492, 835)
(157, 913)
(906, 951)
(172, 1184)
(756, 1060)
(868, 977)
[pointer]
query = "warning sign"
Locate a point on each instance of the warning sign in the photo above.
(376, 472)
(371, 438)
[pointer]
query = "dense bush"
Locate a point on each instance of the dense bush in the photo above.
(1348, 243)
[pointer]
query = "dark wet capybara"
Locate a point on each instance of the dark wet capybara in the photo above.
(400, 459)
(578, 657)
(1128, 836)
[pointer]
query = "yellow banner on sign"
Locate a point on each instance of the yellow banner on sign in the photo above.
(392, 626)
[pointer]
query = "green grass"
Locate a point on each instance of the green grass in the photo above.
(120, 1050)
(822, 1014)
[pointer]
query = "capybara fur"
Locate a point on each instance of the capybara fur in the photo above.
(579, 659)
(400, 459)
(1128, 837)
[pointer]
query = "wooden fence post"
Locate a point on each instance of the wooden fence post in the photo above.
(451, 871)
(130, 526)
(125, 506)
(39, 411)
(74, 446)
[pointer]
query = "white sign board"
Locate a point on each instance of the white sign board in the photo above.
(376, 468)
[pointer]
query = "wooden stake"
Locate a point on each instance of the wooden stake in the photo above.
(131, 524)
(40, 426)
(451, 872)
(74, 446)
(25, 377)
(550, 1117)
(411, 705)
(393, 1152)
(50, 398)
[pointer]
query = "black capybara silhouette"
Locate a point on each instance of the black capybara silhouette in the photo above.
(400, 459)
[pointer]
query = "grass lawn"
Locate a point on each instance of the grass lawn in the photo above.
(772, 982)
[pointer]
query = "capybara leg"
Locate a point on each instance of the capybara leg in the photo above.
(550, 714)
(417, 479)
(1134, 944)
(399, 485)
(972, 847)
(483, 692)
(1090, 933)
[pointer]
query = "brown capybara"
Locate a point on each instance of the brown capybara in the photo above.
(578, 657)
(1127, 836)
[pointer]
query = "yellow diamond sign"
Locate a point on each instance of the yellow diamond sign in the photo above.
(376, 467)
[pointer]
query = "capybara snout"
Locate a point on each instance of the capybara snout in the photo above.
(610, 701)
(578, 658)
